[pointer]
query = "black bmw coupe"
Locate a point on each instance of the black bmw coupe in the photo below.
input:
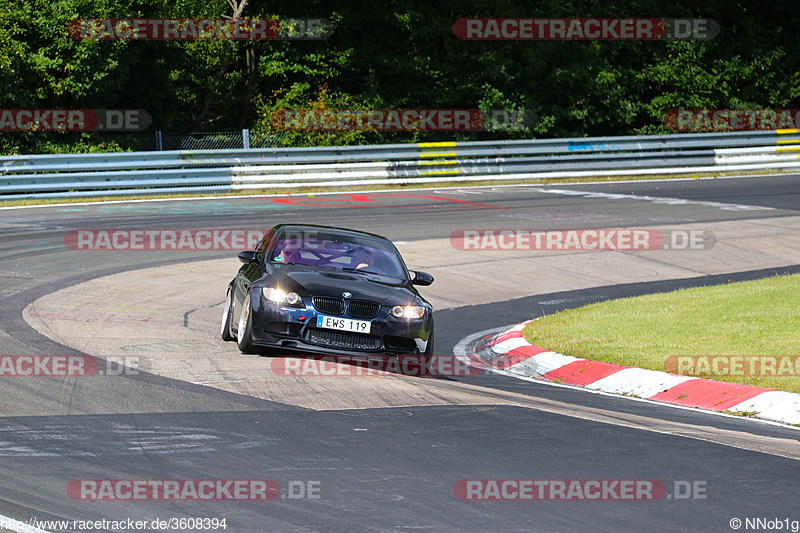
(326, 290)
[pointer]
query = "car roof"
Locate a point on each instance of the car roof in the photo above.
(332, 229)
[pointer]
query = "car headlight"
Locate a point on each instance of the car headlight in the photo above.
(278, 296)
(409, 311)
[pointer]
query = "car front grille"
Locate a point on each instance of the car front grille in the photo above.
(343, 340)
(355, 308)
(326, 304)
(363, 309)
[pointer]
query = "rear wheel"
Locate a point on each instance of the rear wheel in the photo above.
(244, 335)
(227, 319)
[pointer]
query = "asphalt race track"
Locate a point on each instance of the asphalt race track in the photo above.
(379, 454)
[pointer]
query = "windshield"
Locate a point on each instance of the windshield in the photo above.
(340, 251)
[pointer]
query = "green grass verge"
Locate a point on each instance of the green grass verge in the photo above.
(752, 318)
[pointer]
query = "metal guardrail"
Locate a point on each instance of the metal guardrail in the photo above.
(169, 172)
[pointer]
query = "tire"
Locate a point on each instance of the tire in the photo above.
(429, 347)
(227, 319)
(244, 334)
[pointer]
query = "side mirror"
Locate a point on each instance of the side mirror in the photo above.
(421, 278)
(248, 257)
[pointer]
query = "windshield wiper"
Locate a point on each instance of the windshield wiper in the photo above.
(361, 270)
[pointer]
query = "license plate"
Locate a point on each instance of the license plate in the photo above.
(343, 324)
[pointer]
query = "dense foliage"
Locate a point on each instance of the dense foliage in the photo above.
(396, 54)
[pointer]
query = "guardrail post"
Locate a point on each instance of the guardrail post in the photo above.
(246, 139)
(158, 141)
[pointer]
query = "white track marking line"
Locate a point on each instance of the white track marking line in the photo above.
(657, 200)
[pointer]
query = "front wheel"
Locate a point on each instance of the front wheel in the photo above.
(244, 335)
(227, 319)
(429, 347)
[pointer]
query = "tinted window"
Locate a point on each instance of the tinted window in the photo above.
(336, 250)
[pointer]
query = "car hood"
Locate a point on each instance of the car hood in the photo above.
(328, 282)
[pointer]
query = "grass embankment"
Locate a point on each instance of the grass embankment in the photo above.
(752, 318)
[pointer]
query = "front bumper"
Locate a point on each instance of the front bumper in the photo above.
(283, 327)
